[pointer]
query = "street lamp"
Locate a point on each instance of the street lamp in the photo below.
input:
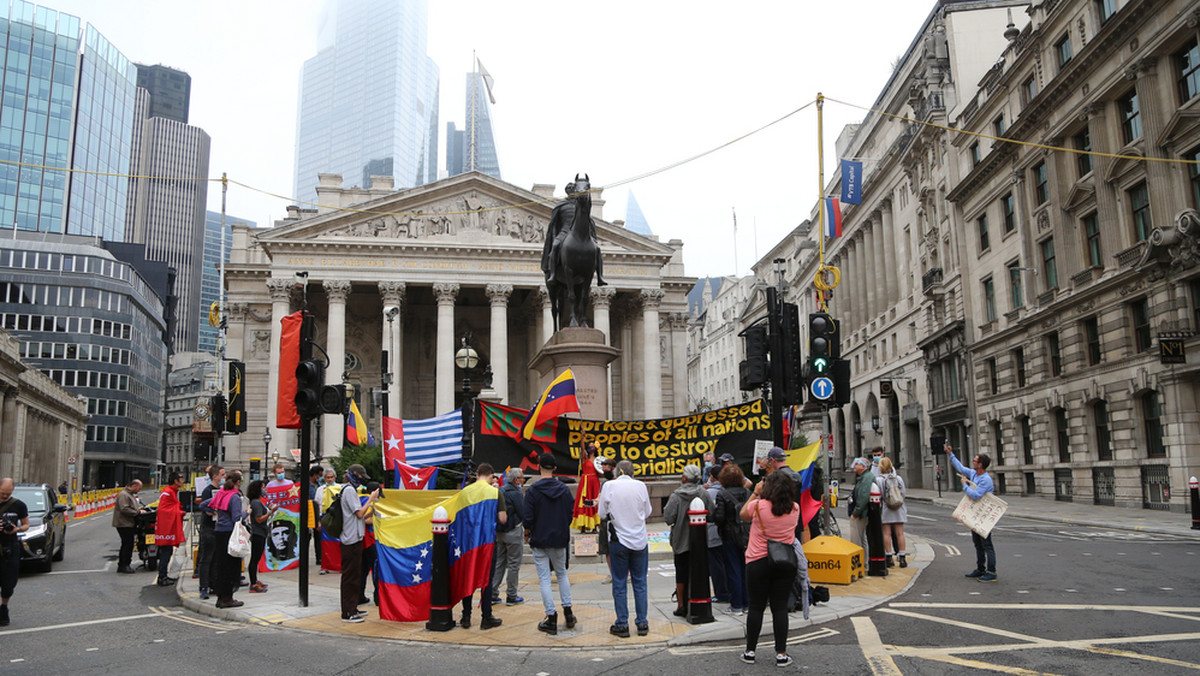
(466, 359)
(267, 441)
(875, 423)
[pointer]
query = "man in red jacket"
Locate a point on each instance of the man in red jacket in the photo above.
(168, 527)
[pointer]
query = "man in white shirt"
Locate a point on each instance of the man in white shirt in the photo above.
(625, 502)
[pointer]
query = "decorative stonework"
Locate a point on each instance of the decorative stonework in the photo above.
(237, 311)
(1043, 220)
(261, 347)
(651, 299)
(393, 293)
(338, 290)
(602, 296)
(445, 292)
(448, 218)
(499, 294)
(281, 289)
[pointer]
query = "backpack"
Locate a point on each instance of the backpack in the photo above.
(893, 497)
(331, 520)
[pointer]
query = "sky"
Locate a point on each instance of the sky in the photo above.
(614, 89)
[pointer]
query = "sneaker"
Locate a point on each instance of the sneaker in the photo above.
(360, 613)
(975, 573)
(4, 616)
(204, 593)
(258, 588)
(514, 601)
(782, 660)
(732, 611)
(489, 622)
(353, 619)
(621, 630)
(465, 622)
(748, 656)
(323, 572)
(495, 600)
(987, 577)
(166, 581)
(607, 579)
(643, 629)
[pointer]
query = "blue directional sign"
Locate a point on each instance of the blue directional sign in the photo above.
(822, 388)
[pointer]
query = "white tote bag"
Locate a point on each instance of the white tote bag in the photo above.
(239, 542)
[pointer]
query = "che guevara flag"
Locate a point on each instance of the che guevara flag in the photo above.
(803, 461)
(404, 537)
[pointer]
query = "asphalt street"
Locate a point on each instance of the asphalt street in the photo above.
(1070, 600)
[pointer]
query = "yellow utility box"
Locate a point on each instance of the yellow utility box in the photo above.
(832, 560)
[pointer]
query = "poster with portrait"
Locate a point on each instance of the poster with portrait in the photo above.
(283, 532)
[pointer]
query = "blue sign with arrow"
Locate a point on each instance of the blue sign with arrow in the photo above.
(821, 388)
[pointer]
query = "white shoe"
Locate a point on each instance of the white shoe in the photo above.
(607, 580)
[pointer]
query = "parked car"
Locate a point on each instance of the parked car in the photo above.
(45, 540)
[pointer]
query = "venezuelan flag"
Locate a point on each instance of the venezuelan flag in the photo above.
(804, 462)
(404, 532)
(558, 399)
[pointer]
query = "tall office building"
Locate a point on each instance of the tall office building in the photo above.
(168, 215)
(170, 91)
(210, 281)
(68, 100)
(369, 98)
(473, 148)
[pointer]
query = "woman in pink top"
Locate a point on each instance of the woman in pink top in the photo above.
(773, 515)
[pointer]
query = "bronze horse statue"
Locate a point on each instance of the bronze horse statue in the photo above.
(574, 257)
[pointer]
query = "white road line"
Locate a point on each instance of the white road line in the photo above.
(1050, 606)
(68, 625)
(920, 518)
(711, 650)
(873, 649)
(78, 572)
(965, 625)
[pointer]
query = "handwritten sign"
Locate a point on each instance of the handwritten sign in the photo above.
(980, 515)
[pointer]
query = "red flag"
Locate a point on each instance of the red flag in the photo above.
(286, 416)
(415, 478)
(393, 441)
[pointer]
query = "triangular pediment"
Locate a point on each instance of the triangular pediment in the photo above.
(1182, 128)
(1082, 194)
(472, 210)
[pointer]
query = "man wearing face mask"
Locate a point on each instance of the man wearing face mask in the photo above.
(278, 478)
(354, 527)
(314, 509)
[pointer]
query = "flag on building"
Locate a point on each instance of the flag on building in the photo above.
(421, 443)
(804, 462)
(851, 182)
(833, 217)
(558, 399)
(356, 427)
(487, 80)
(415, 478)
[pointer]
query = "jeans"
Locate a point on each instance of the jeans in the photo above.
(368, 566)
(718, 574)
(556, 559)
(164, 560)
(984, 549)
(735, 566)
(635, 563)
(208, 545)
(351, 578)
(773, 586)
(125, 557)
(258, 543)
(10, 570)
(510, 545)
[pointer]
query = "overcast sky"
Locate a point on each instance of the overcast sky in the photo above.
(615, 88)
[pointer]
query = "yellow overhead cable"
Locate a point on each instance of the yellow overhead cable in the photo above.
(104, 173)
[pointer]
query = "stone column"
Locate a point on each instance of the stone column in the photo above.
(877, 268)
(333, 427)
(677, 323)
(547, 316)
(1150, 92)
(859, 280)
(652, 366)
(849, 290)
(499, 295)
(392, 294)
(281, 294)
(602, 297)
(446, 293)
(890, 246)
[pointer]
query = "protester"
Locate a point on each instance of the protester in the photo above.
(583, 516)
(876, 458)
(860, 502)
(14, 518)
(607, 466)
(260, 517)
(312, 531)
(208, 546)
(893, 518)
(226, 507)
(716, 550)
(734, 533)
(168, 527)
(125, 514)
(976, 483)
(547, 517)
(485, 475)
(726, 460)
(625, 504)
(510, 539)
(675, 514)
(354, 514)
(330, 483)
(768, 583)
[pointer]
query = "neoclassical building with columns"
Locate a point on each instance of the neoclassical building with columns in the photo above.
(459, 257)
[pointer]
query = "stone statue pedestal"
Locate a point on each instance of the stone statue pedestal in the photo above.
(587, 354)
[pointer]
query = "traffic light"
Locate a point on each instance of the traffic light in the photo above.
(237, 397)
(839, 372)
(793, 358)
(310, 379)
(217, 405)
(333, 399)
(822, 333)
(753, 369)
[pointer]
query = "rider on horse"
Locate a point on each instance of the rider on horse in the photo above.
(560, 224)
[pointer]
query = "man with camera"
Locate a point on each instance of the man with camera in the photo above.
(354, 528)
(14, 518)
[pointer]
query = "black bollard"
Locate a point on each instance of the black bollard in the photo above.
(1195, 486)
(877, 563)
(699, 598)
(440, 617)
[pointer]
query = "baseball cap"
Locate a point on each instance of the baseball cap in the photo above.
(776, 453)
(726, 457)
(547, 460)
(359, 471)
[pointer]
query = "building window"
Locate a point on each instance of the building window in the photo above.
(984, 242)
(1062, 49)
(1041, 183)
(1055, 352)
(975, 155)
(1010, 214)
(993, 381)
(1152, 421)
(1141, 324)
(1091, 336)
(1091, 230)
(1131, 120)
(1048, 265)
(989, 299)
(1064, 435)
(1187, 70)
(1019, 365)
(1103, 439)
(1139, 204)
(998, 438)
(998, 126)
(1083, 143)
(1106, 8)
(1014, 284)
(1026, 441)
(1194, 175)
(1029, 89)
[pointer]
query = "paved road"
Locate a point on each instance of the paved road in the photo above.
(1070, 600)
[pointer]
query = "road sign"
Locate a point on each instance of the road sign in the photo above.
(822, 388)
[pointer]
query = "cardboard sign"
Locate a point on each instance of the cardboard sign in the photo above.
(587, 544)
(980, 515)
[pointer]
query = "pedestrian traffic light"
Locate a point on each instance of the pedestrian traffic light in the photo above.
(237, 399)
(839, 371)
(794, 383)
(217, 406)
(753, 369)
(310, 379)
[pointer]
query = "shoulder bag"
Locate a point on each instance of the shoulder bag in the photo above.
(780, 555)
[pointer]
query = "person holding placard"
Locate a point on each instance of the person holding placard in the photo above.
(976, 484)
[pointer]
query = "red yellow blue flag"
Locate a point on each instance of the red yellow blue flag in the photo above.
(558, 399)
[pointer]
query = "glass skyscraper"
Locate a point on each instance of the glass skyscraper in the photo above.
(369, 98)
(50, 61)
(463, 153)
(210, 284)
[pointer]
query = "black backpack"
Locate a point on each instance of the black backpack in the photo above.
(331, 520)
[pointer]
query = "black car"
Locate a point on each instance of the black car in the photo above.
(45, 540)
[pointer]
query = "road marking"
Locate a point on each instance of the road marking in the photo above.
(77, 572)
(711, 650)
(951, 550)
(176, 615)
(872, 647)
(19, 659)
(1076, 644)
(964, 625)
(1149, 658)
(921, 518)
(982, 666)
(69, 625)
(92, 650)
(1049, 606)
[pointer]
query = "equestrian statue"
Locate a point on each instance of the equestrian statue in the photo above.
(571, 255)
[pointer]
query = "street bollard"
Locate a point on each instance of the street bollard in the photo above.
(1195, 486)
(440, 618)
(876, 563)
(699, 599)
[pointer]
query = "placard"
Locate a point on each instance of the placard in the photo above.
(980, 515)
(587, 544)
(761, 448)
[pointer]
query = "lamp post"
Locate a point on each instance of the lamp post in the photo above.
(267, 441)
(857, 438)
(385, 364)
(466, 359)
(875, 424)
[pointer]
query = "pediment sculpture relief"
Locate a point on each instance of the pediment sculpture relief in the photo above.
(467, 214)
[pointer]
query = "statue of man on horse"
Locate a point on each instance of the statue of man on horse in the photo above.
(571, 255)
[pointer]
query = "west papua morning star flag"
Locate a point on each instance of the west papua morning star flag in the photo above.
(851, 182)
(833, 217)
(415, 478)
(420, 443)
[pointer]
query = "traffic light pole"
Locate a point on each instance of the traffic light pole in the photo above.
(775, 327)
(305, 460)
